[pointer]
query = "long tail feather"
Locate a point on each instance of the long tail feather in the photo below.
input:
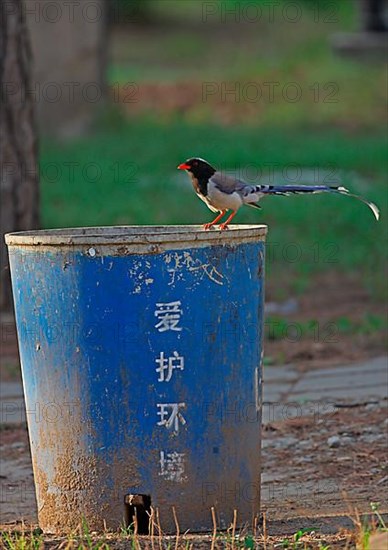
(296, 189)
(372, 206)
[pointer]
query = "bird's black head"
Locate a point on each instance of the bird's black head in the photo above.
(199, 168)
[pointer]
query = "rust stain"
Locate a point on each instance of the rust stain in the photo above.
(79, 490)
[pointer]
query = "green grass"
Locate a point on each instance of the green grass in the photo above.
(126, 173)
(232, 538)
(21, 541)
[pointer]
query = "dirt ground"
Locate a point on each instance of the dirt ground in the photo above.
(332, 297)
(307, 483)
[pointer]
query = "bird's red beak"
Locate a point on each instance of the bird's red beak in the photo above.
(183, 166)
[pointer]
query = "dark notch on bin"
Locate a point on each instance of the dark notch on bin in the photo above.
(138, 512)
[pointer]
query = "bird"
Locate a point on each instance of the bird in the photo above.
(223, 193)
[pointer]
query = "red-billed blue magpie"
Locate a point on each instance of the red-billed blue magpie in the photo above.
(222, 193)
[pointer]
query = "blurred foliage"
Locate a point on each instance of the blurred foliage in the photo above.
(172, 62)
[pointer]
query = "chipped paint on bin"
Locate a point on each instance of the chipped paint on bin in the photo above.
(141, 357)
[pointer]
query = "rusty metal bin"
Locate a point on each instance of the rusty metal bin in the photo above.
(141, 359)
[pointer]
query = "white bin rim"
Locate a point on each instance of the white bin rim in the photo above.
(135, 234)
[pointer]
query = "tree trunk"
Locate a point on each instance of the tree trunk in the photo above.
(69, 46)
(19, 185)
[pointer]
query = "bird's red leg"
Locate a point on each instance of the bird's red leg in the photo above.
(209, 225)
(226, 223)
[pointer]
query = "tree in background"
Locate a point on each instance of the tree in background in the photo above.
(69, 46)
(19, 181)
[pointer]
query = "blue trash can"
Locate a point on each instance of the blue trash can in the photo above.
(141, 359)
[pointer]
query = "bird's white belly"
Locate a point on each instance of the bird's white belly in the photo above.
(207, 202)
(223, 201)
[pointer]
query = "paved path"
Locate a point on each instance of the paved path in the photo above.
(287, 392)
(12, 409)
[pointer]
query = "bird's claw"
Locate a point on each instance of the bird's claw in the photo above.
(207, 226)
(223, 226)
